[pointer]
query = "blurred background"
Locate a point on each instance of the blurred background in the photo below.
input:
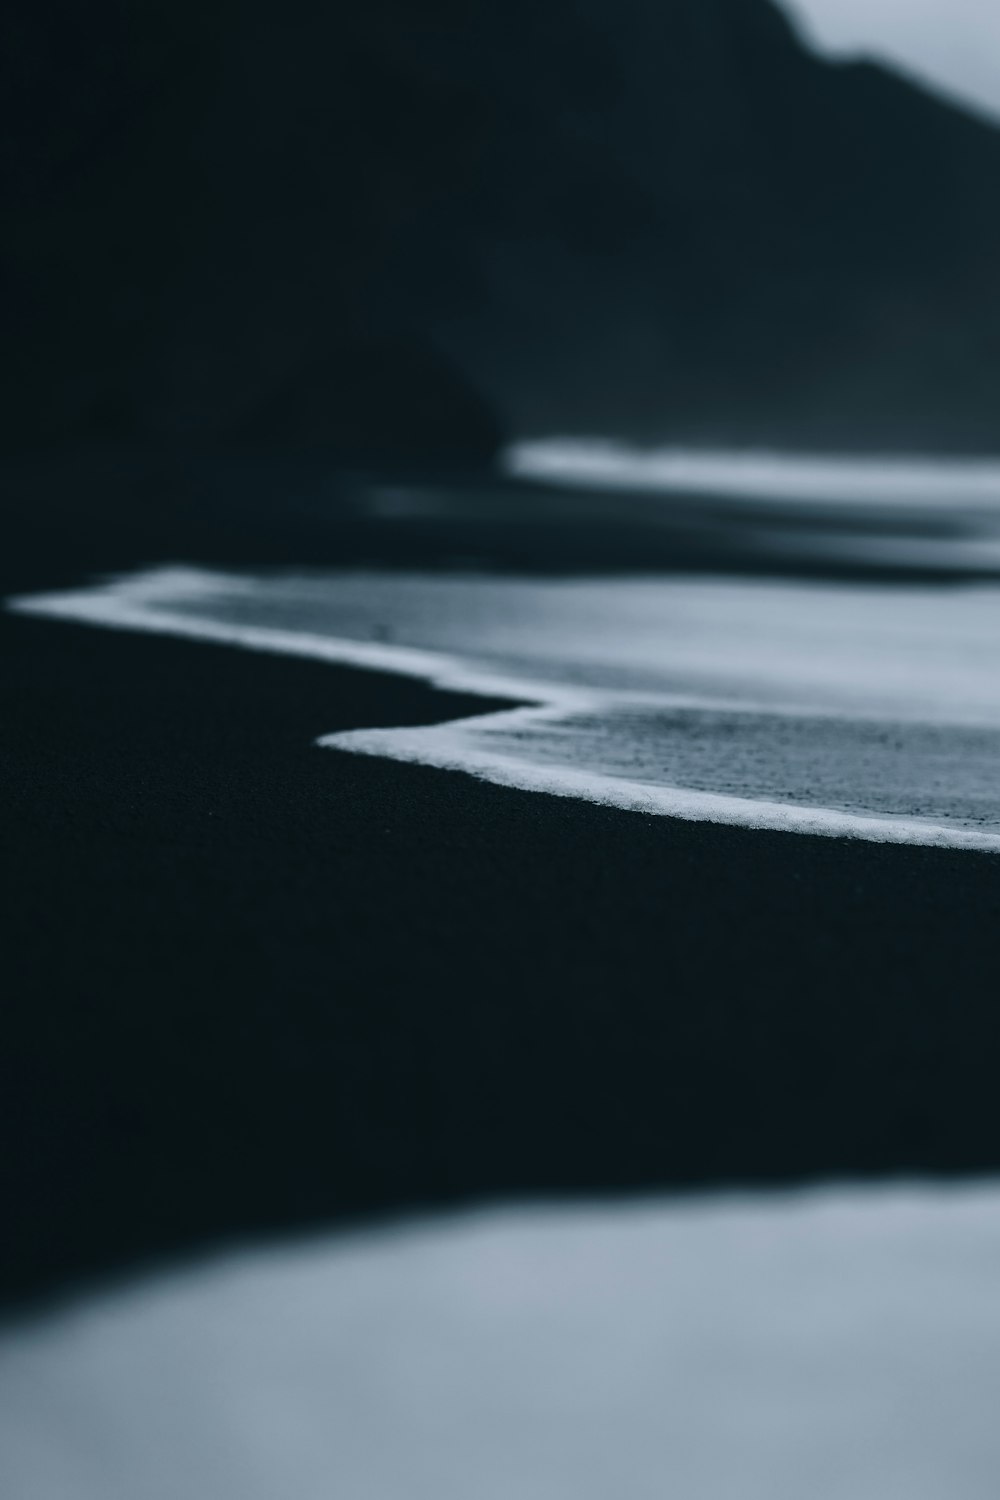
(414, 234)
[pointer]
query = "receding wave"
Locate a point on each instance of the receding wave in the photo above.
(859, 711)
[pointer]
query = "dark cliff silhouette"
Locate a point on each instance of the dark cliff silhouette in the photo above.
(406, 228)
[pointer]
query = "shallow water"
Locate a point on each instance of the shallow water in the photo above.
(863, 710)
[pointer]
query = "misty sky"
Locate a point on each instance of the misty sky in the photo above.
(954, 44)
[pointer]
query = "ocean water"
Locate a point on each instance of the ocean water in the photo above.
(858, 710)
(840, 1345)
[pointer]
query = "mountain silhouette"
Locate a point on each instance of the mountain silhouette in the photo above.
(401, 229)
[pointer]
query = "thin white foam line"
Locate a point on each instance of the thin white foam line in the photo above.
(108, 607)
(441, 747)
(131, 602)
(111, 610)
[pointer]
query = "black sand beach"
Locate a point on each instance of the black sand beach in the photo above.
(252, 984)
(599, 401)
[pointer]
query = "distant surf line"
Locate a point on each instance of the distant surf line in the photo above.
(141, 602)
(760, 474)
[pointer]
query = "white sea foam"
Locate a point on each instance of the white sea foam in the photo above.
(840, 1345)
(459, 746)
(854, 711)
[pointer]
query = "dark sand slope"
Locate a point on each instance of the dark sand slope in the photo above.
(252, 984)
